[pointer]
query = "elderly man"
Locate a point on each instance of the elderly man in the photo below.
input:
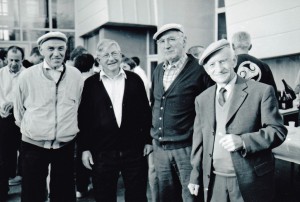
(47, 100)
(115, 120)
(10, 136)
(175, 84)
(232, 144)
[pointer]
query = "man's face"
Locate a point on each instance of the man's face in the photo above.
(110, 59)
(54, 51)
(171, 45)
(14, 60)
(220, 66)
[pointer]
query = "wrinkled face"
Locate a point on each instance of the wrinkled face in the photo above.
(125, 66)
(14, 60)
(171, 45)
(220, 66)
(110, 59)
(54, 51)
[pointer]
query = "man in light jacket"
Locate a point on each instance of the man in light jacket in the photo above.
(46, 104)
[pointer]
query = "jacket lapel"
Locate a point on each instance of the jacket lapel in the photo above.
(238, 96)
(211, 114)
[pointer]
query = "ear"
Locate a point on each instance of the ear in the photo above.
(41, 50)
(184, 41)
(234, 59)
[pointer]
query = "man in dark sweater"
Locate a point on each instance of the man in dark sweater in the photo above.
(175, 84)
(114, 122)
(249, 67)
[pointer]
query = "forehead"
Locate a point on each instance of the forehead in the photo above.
(13, 54)
(53, 42)
(169, 33)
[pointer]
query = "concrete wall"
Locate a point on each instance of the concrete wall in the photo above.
(273, 24)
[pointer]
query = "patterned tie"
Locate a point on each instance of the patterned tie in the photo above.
(222, 96)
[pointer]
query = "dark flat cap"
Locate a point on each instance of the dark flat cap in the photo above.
(212, 48)
(52, 35)
(167, 27)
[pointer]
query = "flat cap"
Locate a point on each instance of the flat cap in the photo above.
(167, 27)
(52, 35)
(212, 48)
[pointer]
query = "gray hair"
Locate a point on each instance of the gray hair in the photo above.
(241, 40)
(105, 43)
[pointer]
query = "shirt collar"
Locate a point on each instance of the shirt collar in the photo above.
(17, 73)
(229, 86)
(177, 64)
(120, 74)
(47, 67)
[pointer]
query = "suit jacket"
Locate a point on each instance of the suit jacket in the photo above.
(253, 114)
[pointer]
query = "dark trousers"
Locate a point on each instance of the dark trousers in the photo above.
(9, 143)
(109, 164)
(35, 170)
(82, 173)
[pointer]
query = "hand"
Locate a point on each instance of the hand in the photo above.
(231, 142)
(87, 159)
(194, 189)
(148, 149)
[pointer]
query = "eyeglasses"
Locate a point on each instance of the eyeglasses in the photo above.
(107, 55)
(171, 40)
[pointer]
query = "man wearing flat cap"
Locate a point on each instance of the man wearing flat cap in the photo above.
(175, 84)
(232, 144)
(47, 99)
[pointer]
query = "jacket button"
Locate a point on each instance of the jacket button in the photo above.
(210, 155)
(208, 176)
(161, 108)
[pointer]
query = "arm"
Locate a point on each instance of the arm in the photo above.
(273, 132)
(19, 108)
(196, 155)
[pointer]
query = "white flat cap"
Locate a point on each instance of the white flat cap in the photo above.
(212, 48)
(167, 27)
(52, 35)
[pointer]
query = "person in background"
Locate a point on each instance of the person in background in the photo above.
(3, 60)
(248, 66)
(196, 51)
(79, 50)
(232, 144)
(114, 121)
(175, 84)
(35, 58)
(46, 104)
(84, 63)
(140, 71)
(10, 136)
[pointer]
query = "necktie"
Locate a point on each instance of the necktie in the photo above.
(222, 96)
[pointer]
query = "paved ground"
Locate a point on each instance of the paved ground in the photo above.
(287, 186)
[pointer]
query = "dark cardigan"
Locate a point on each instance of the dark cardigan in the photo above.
(99, 130)
(173, 111)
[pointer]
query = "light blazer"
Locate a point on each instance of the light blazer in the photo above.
(253, 114)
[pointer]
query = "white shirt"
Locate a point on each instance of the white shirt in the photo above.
(115, 89)
(53, 73)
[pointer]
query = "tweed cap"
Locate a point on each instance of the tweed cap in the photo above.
(52, 35)
(212, 48)
(167, 27)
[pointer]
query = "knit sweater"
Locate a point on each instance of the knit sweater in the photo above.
(173, 110)
(99, 130)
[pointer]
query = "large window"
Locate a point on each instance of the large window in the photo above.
(221, 20)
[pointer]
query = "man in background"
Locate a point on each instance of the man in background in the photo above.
(248, 66)
(196, 51)
(3, 60)
(10, 136)
(34, 58)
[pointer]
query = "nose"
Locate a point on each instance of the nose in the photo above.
(218, 67)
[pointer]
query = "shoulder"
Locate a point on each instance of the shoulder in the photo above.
(73, 70)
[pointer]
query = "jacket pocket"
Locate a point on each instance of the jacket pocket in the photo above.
(264, 168)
